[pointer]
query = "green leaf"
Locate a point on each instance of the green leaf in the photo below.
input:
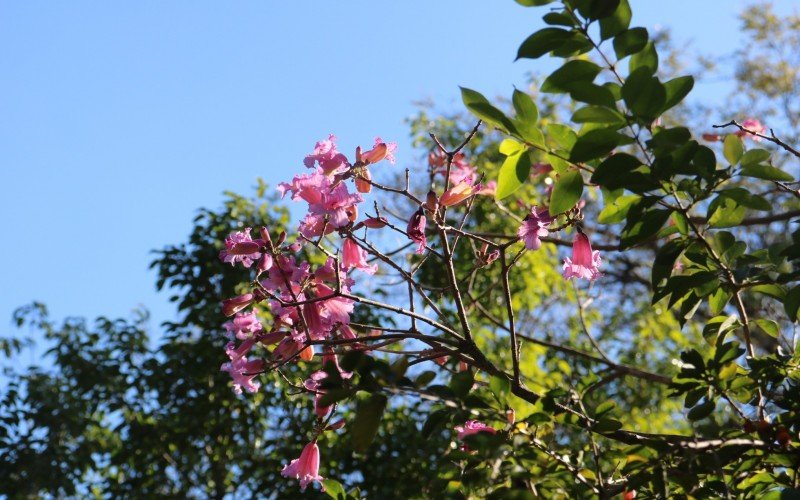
(525, 107)
(732, 149)
(677, 89)
(500, 386)
(542, 42)
(630, 42)
(513, 173)
(725, 212)
(598, 114)
(617, 210)
(566, 192)
(644, 94)
(645, 58)
(616, 23)
(613, 171)
(590, 93)
(425, 378)
(594, 144)
(769, 326)
(333, 488)
(563, 136)
(368, 419)
(701, 411)
(511, 147)
(562, 79)
(766, 172)
(483, 109)
(754, 156)
(461, 383)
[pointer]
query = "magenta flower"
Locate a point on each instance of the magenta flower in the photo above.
(326, 156)
(243, 326)
(584, 262)
(240, 247)
(353, 256)
(305, 468)
(236, 304)
(471, 427)
(416, 230)
(243, 372)
(534, 227)
(754, 126)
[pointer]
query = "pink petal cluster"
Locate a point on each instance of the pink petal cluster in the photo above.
(305, 468)
(355, 257)
(584, 262)
(240, 247)
(460, 169)
(243, 372)
(534, 227)
(325, 154)
(471, 427)
(243, 326)
(330, 205)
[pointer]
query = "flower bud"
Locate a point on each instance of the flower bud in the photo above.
(236, 304)
(375, 222)
(375, 154)
(432, 202)
(265, 263)
(363, 184)
(511, 416)
(265, 235)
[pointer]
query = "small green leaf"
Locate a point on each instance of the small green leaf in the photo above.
(754, 156)
(607, 425)
(562, 79)
(792, 303)
(766, 172)
(461, 383)
(613, 172)
(594, 144)
(333, 488)
(769, 326)
(644, 94)
(732, 149)
(677, 89)
(630, 42)
(701, 411)
(500, 386)
(645, 58)
(601, 9)
(511, 147)
(598, 114)
(566, 192)
(513, 173)
(616, 23)
(542, 42)
(525, 107)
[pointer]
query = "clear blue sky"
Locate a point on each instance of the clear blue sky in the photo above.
(119, 119)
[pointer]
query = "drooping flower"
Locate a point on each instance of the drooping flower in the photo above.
(243, 372)
(416, 230)
(388, 155)
(240, 247)
(471, 427)
(753, 126)
(585, 262)
(305, 468)
(313, 384)
(326, 156)
(353, 256)
(534, 227)
(364, 180)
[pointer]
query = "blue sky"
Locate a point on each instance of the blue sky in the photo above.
(119, 120)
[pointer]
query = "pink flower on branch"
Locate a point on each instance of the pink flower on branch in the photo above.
(240, 247)
(325, 154)
(305, 468)
(534, 227)
(353, 256)
(753, 126)
(416, 230)
(584, 262)
(243, 372)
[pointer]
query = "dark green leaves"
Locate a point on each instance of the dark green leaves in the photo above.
(644, 94)
(552, 39)
(677, 89)
(732, 149)
(599, 114)
(619, 21)
(566, 192)
(564, 78)
(594, 144)
(630, 42)
(368, 418)
(645, 58)
(614, 170)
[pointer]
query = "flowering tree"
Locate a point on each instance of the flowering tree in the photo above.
(625, 170)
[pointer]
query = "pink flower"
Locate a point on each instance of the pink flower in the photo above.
(584, 262)
(236, 304)
(305, 468)
(364, 181)
(353, 256)
(313, 384)
(243, 372)
(378, 153)
(243, 326)
(457, 194)
(753, 126)
(534, 227)
(471, 427)
(325, 154)
(240, 247)
(416, 230)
